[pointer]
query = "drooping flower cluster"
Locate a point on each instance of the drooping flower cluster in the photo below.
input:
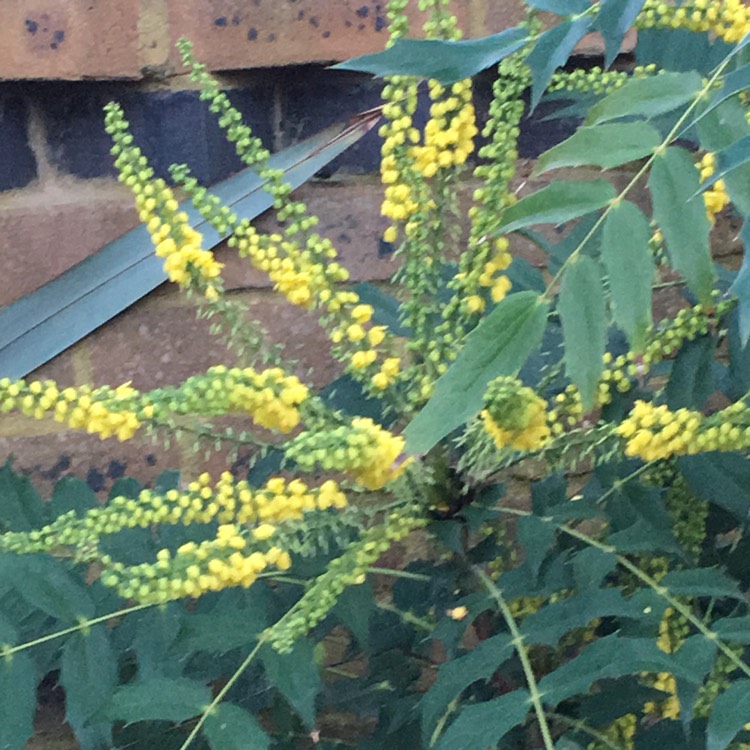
(186, 262)
(514, 415)
(105, 411)
(371, 455)
(270, 396)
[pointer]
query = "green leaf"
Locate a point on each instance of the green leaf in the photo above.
(606, 658)
(536, 538)
(158, 698)
(552, 50)
(608, 145)
(584, 322)
(721, 478)
(561, 7)
(21, 507)
(557, 202)
(646, 97)
(18, 703)
(730, 712)
(45, 584)
(733, 629)
(550, 623)
(155, 635)
(456, 675)
(444, 61)
(727, 160)
(229, 727)
(88, 675)
(354, 607)
(630, 270)
(691, 381)
(741, 287)
(681, 216)
(701, 582)
(220, 632)
(71, 493)
(734, 82)
(483, 725)
(295, 675)
(615, 17)
(42, 324)
(499, 345)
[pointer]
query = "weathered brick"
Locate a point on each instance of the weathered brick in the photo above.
(44, 232)
(159, 341)
(169, 127)
(236, 34)
(349, 212)
(69, 39)
(17, 162)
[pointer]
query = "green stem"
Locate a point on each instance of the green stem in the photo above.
(400, 574)
(83, 625)
(222, 693)
(517, 641)
(581, 726)
(407, 617)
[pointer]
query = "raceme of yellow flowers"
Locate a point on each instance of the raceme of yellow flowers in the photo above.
(728, 19)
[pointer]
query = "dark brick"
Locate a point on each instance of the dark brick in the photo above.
(17, 162)
(313, 99)
(169, 126)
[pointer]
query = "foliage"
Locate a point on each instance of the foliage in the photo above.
(606, 609)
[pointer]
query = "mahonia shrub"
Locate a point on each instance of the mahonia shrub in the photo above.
(381, 577)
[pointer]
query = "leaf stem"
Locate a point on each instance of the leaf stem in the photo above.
(536, 696)
(220, 695)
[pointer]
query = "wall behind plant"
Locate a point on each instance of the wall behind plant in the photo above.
(61, 61)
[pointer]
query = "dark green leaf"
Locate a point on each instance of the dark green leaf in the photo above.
(354, 608)
(731, 158)
(630, 269)
(229, 727)
(584, 321)
(681, 216)
(556, 203)
(18, 703)
(720, 478)
(45, 584)
(606, 658)
(21, 507)
(739, 358)
(456, 675)
(552, 50)
(733, 629)
(444, 61)
(646, 97)
(71, 493)
(698, 654)
(536, 538)
(615, 17)
(155, 634)
(561, 7)
(295, 675)
(499, 345)
(730, 712)
(42, 324)
(591, 566)
(608, 145)
(691, 381)
(550, 623)
(89, 674)
(159, 698)
(217, 633)
(483, 725)
(701, 582)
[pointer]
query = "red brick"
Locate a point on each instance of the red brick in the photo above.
(69, 39)
(236, 34)
(44, 231)
(349, 212)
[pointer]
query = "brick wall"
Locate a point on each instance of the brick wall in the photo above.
(61, 61)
